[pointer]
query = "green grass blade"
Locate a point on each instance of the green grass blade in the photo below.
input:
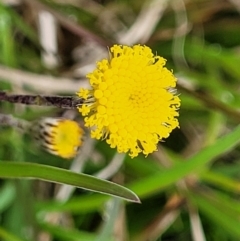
(89, 203)
(58, 175)
(6, 236)
(152, 184)
(66, 233)
(217, 212)
(7, 194)
(227, 203)
(7, 44)
(221, 181)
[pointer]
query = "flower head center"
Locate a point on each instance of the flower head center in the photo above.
(131, 105)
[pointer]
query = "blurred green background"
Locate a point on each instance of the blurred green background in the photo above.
(190, 188)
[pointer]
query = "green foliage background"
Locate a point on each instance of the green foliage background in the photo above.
(189, 189)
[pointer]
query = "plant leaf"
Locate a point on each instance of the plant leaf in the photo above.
(219, 212)
(58, 175)
(160, 180)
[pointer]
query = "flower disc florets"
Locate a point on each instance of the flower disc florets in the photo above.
(132, 102)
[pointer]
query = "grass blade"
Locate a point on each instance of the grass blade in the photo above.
(157, 182)
(58, 175)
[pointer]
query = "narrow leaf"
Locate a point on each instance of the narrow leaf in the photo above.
(63, 233)
(218, 213)
(221, 181)
(156, 182)
(58, 175)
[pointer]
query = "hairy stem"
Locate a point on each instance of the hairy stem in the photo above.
(65, 102)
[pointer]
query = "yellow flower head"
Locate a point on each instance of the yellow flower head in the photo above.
(61, 137)
(132, 102)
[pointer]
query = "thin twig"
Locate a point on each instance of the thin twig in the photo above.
(65, 102)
